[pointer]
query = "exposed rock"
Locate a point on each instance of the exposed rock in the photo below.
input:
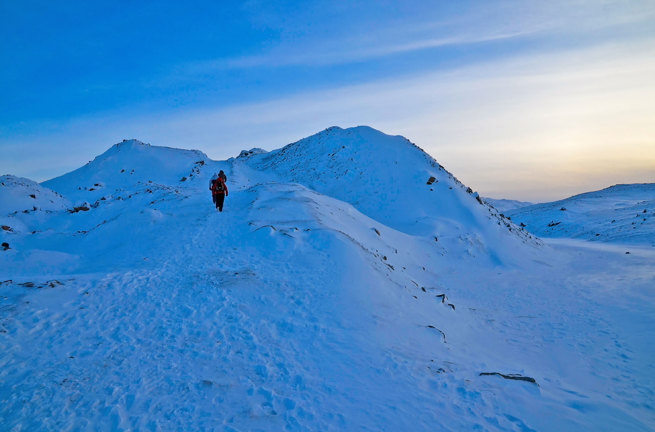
(440, 331)
(516, 377)
(83, 207)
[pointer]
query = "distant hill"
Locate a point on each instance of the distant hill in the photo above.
(623, 213)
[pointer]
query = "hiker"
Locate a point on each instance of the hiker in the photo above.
(219, 190)
(211, 186)
(222, 175)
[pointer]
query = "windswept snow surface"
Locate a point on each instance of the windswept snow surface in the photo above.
(304, 306)
(622, 213)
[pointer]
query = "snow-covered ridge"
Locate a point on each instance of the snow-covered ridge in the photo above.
(386, 177)
(621, 213)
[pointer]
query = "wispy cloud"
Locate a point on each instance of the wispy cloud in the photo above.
(483, 24)
(333, 56)
(533, 127)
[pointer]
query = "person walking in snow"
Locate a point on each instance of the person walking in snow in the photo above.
(211, 187)
(219, 190)
(222, 175)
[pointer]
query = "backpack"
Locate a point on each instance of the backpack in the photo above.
(219, 185)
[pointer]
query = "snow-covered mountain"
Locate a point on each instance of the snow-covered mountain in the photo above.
(128, 166)
(351, 283)
(395, 183)
(621, 214)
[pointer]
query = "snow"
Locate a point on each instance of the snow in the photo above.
(313, 302)
(618, 214)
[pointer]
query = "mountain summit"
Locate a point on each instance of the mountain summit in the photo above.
(125, 165)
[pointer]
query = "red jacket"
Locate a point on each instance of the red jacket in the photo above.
(215, 190)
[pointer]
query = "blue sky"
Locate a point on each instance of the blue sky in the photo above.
(526, 100)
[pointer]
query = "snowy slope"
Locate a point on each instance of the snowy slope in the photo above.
(304, 307)
(621, 213)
